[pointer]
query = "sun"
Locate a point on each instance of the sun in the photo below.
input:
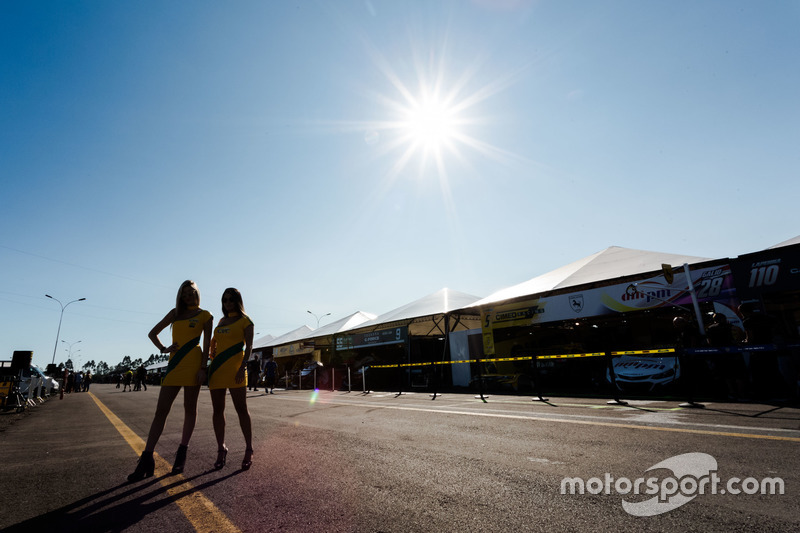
(434, 120)
(430, 124)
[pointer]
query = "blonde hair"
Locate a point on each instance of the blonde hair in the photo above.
(180, 306)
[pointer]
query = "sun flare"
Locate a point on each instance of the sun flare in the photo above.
(434, 117)
(431, 124)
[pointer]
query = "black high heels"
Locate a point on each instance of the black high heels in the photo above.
(247, 462)
(144, 468)
(222, 456)
(180, 459)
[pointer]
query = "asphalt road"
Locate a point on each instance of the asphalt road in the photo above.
(332, 461)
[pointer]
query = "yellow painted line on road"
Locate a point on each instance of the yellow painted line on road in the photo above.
(199, 510)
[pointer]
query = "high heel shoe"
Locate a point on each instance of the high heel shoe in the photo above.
(222, 455)
(247, 462)
(180, 459)
(144, 468)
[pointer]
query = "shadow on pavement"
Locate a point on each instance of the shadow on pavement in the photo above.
(105, 511)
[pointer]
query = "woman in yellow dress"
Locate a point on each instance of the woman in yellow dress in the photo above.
(230, 351)
(186, 368)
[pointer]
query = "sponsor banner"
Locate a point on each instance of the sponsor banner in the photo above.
(374, 338)
(776, 270)
(647, 370)
(711, 283)
(297, 348)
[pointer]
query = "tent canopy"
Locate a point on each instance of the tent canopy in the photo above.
(344, 324)
(611, 263)
(790, 242)
(425, 315)
(287, 338)
(262, 342)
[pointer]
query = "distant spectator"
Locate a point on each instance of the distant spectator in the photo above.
(729, 364)
(126, 381)
(686, 333)
(253, 372)
(141, 378)
(270, 372)
(764, 370)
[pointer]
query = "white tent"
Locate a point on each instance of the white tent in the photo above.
(262, 342)
(344, 324)
(423, 316)
(611, 263)
(790, 242)
(287, 338)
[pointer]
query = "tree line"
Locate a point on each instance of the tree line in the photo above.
(102, 369)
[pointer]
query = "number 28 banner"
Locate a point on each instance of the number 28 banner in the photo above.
(711, 283)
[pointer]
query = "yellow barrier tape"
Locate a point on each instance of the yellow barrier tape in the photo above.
(644, 352)
(529, 358)
(571, 355)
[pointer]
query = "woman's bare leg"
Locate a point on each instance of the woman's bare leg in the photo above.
(166, 396)
(218, 418)
(239, 397)
(190, 395)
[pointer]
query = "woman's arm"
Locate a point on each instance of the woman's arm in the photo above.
(158, 328)
(248, 350)
(248, 342)
(207, 329)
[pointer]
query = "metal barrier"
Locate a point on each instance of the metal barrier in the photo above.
(687, 361)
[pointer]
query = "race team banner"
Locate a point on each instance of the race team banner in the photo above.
(712, 283)
(374, 338)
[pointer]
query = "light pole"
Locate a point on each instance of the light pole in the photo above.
(318, 317)
(70, 347)
(58, 334)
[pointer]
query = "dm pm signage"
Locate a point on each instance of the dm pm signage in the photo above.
(374, 338)
(713, 283)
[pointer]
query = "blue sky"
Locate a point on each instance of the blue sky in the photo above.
(358, 155)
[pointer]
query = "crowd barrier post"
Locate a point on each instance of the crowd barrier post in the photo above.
(400, 376)
(29, 393)
(39, 388)
(688, 362)
(364, 378)
(333, 379)
(435, 378)
(349, 380)
(481, 396)
(613, 378)
(537, 382)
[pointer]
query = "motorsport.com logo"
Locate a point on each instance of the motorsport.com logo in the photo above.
(693, 474)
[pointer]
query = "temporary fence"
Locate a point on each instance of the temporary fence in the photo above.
(685, 358)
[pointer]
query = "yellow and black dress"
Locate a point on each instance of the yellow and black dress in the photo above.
(185, 362)
(228, 355)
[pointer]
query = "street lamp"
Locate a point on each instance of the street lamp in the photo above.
(58, 334)
(318, 317)
(70, 347)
